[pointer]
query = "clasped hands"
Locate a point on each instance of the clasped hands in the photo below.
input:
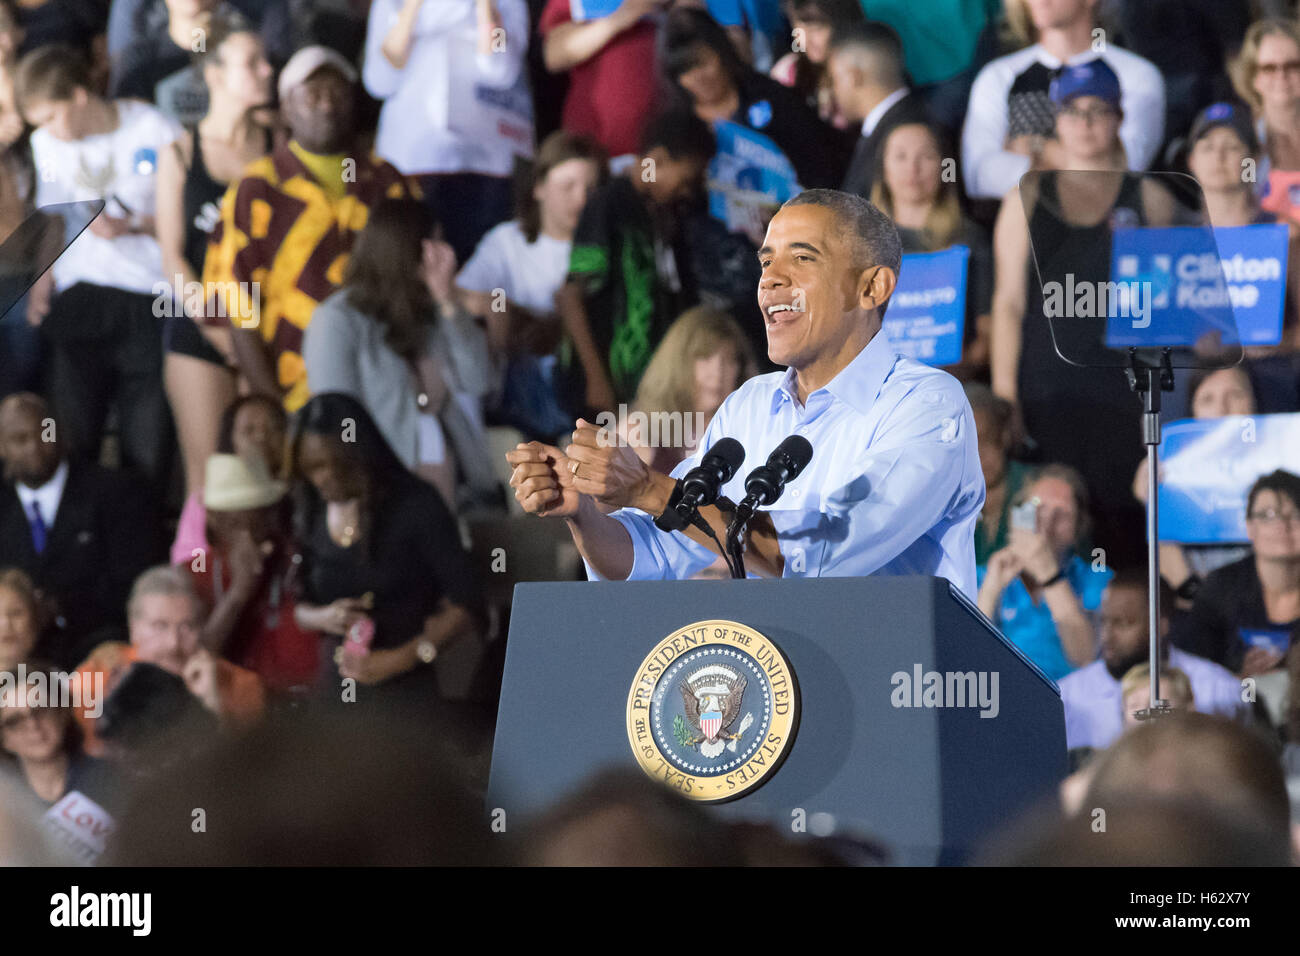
(549, 482)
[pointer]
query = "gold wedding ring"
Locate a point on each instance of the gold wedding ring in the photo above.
(573, 468)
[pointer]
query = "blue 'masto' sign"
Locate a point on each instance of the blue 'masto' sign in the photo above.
(926, 317)
(1207, 466)
(1176, 285)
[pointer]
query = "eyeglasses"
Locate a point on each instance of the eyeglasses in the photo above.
(1291, 68)
(1270, 515)
(1090, 115)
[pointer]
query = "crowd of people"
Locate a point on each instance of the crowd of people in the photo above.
(341, 256)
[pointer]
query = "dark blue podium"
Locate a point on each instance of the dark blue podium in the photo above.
(925, 773)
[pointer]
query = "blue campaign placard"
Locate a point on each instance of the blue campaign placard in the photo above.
(1173, 286)
(748, 178)
(1207, 466)
(926, 317)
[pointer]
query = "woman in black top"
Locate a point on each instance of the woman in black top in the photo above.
(1247, 614)
(192, 178)
(708, 77)
(382, 554)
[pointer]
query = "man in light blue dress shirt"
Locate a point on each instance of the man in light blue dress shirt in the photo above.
(894, 485)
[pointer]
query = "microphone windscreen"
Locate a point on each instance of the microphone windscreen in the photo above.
(730, 452)
(793, 454)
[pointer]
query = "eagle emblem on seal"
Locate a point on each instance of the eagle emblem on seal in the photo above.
(711, 698)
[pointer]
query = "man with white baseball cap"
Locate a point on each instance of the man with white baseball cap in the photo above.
(311, 196)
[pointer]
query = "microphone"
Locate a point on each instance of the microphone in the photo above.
(763, 486)
(702, 484)
(766, 482)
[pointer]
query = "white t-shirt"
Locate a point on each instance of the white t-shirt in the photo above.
(121, 164)
(530, 273)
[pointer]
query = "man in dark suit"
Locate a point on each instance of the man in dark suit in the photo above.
(81, 532)
(870, 88)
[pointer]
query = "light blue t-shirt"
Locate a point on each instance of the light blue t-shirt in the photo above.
(1029, 625)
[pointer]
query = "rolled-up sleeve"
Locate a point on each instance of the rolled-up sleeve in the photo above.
(661, 555)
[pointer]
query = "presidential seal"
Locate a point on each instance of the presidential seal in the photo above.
(713, 710)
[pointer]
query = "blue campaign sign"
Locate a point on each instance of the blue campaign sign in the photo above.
(926, 318)
(1208, 464)
(749, 176)
(1172, 286)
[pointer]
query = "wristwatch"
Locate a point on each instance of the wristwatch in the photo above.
(426, 651)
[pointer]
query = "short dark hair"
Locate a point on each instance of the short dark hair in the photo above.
(1135, 579)
(681, 134)
(878, 41)
(878, 242)
(1281, 482)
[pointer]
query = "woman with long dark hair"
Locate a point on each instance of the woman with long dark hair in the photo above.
(708, 77)
(395, 338)
(383, 567)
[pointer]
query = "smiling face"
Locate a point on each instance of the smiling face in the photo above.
(1277, 71)
(816, 297)
(1273, 526)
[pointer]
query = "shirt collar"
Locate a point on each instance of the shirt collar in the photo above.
(47, 494)
(857, 384)
(880, 109)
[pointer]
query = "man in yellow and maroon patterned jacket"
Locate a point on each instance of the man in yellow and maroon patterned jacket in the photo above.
(287, 225)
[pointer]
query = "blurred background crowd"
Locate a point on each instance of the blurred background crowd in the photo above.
(394, 238)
